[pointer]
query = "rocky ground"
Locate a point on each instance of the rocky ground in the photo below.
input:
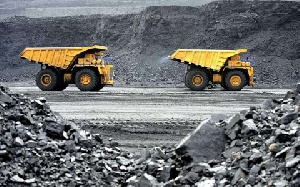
(256, 147)
(147, 117)
(140, 43)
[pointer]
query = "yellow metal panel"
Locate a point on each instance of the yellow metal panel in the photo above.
(57, 56)
(107, 74)
(213, 59)
(67, 77)
(217, 78)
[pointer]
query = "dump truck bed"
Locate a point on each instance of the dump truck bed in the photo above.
(61, 57)
(213, 59)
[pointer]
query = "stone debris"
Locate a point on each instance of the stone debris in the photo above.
(39, 148)
(261, 148)
(257, 147)
(205, 143)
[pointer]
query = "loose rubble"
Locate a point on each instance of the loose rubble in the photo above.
(257, 147)
(262, 149)
(39, 148)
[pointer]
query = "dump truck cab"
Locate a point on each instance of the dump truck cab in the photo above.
(83, 66)
(206, 67)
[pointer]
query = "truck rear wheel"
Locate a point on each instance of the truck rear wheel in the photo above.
(47, 79)
(186, 83)
(223, 85)
(235, 80)
(197, 80)
(87, 80)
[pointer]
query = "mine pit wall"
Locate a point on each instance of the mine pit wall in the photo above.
(140, 43)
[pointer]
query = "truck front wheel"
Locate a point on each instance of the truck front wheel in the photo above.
(235, 80)
(47, 79)
(86, 79)
(197, 80)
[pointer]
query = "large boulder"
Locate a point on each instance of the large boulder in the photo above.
(205, 143)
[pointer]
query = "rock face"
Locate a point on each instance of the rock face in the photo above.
(140, 43)
(205, 143)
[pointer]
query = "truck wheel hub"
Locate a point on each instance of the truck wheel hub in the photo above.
(46, 79)
(235, 80)
(197, 80)
(85, 79)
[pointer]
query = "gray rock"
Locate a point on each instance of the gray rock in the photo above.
(4, 98)
(256, 156)
(254, 170)
(233, 132)
(98, 138)
(287, 118)
(16, 178)
(19, 141)
(267, 104)
(147, 180)
(228, 152)
(29, 181)
(206, 183)
(3, 153)
(31, 144)
(123, 161)
(200, 167)
(219, 170)
(282, 136)
(192, 177)
(251, 180)
(239, 174)
(249, 127)
(158, 153)
(292, 162)
(283, 151)
(164, 174)
(231, 121)
(205, 143)
(54, 130)
(282, 183)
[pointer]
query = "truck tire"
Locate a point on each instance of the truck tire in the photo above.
(235, 80)
(186, 81)
(197, 80)
(223, 85)
(87, 79)
(47, 79)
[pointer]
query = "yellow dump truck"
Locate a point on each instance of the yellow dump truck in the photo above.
(207, 67)
(84, 66)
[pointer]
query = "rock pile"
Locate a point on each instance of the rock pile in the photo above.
(262, 149)
(257, 147)
(39, 148)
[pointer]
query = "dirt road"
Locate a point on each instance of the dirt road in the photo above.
(143, 117)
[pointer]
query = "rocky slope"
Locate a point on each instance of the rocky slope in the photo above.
(140, 43)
